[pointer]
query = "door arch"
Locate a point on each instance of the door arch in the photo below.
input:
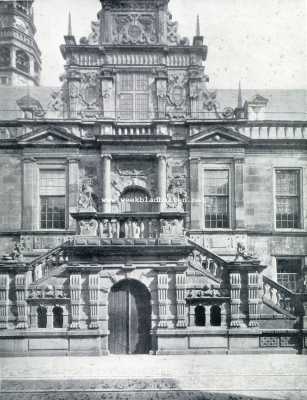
(129, 318)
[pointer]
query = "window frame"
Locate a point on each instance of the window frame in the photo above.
(135, 93)
(300, 199)
(53, 167)
(218, 167)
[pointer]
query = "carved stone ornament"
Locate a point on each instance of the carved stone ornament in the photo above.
(134, 29)
(93, 38)
(171, 227)
(172, 30)
(87, 198)
(88, 89)
(133, 174)
(177, 193)
(5, 133)
(88, 228)
(57, 100)
(242, 254)
(106, 88)
(161, 88)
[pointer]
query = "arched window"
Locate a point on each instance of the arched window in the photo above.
(57, 317)
(5, 57)
(22, 61)
(215, 316)
(135, 199)
(41, 317)
(200, 316)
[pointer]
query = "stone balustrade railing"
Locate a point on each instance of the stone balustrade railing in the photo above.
(279, 296)
(277, 132)
(43, 266)
(130, 227)
(207, 261)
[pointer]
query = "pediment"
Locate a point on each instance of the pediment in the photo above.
(49, 136)
(217, 136)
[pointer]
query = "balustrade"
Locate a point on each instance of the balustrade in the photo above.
(134, 228)
(278, 295)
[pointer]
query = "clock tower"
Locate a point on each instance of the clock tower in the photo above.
(20, 57)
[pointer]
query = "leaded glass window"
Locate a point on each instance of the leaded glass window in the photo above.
(133, 96)
(288, 198)
(216, 189)
(52, 199)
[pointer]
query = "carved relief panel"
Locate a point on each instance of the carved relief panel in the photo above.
(176, 185)
(177, 92)
(134, 28)
(133, 173)
(88, 187)
(90, 97)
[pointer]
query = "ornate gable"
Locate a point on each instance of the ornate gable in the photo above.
(217, 135)
(49, 136)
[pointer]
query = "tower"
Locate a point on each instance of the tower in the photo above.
(20, 57)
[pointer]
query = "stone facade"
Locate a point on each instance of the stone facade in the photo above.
(134, 207)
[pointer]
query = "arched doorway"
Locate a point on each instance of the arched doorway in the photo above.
(129, 318)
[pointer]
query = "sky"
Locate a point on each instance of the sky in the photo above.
(261, 43)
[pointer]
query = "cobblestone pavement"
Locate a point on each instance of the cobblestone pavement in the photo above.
(198, 377)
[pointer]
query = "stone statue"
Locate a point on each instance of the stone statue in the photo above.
(87, 198)
(242, 253)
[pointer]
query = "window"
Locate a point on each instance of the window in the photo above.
(216, 189)
(133, 96)
(5, 57)
(289, 273)
(288, 199)
(22, 61)
(41, 317)
(52, 199)
(215, 316)
(200, 316)
(57, 317)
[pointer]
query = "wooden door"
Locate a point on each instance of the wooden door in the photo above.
(129, 318)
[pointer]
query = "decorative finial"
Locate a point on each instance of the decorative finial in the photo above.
(69, 24)
(197, 26)
(240, 100)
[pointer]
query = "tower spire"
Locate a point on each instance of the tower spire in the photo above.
(69, 24)
(197, 26)
(240, 100)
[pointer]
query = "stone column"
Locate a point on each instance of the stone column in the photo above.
(73, 93)
(194, 92)
(30, 216)
(162, 181)
(108, 95)
(196, 206)
(21, 287)
(163, 299)
(207, 311)
(180, 299)
(75, 299)
(4, 300)
(223, 315)
(239, 216)
(50, 316)
(106, 183)
(33, 316)
(235, 299)
(93, 287)
(253, 299)
(161, 93)
(73, 190)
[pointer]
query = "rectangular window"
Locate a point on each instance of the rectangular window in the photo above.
(133, 96)
(289, 273)
(52, 191)
(216, 190)
(288, 199)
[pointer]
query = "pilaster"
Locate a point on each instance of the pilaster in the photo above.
(235, 299)
(30, 216)
(93, 287)
(73, 93)
(73, 192)
(180, 299)
(162, 181)
(106, 183)
(239, 193)
(163, 299)
(253, 299)
(4, 300)
(75, 299)
(21, 287)
(108, 96)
